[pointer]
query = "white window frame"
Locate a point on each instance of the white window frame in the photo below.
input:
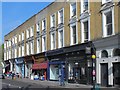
(59, 21)
(32, 47)
(38, 27)
(82, 29)
(52, 46)
(27, 48)
(44, 44)
(51, 20)
(20, 51)
(5, 58)
(82, 6)
(104, 22)
(106, 1)
(16, 39)
(15, 52)
(22, 36)
(38, 45)
(59, 42)
(71, 34)
(27, 33)
(32, 31)
(44, 26)
(19, 37)
(23, 50)
(71, 9)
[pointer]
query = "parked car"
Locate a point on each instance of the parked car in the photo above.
(2, 76)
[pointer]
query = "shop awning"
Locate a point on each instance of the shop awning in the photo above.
(40, 65)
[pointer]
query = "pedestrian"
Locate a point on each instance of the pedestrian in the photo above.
(13, 75)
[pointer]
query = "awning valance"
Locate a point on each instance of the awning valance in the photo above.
(43, 65)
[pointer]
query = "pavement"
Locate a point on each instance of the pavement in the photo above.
(55, 84)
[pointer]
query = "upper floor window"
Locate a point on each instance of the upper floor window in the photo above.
(43, 43)
(85, 31)
(28, 33)
(60, 38)
(31, 31)
(106, 1)
(32, 47)
(38, 26)
(19, 37)
(22, 50)
(53, 20)
(22, 36)
(73, 35)
(73, 9)
(38, 45)
(108, 23)
(52, 41)
(84, 5)
(60, 16)
(15, 39)
(43, 24)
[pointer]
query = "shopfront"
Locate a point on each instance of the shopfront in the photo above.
(56, 68)
(40, 70)
(20, 67)
(79, 64)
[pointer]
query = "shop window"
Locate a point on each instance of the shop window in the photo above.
(116, 52)
(104, 54)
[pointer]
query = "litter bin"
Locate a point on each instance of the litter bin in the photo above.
(43, 78)
(97, 87)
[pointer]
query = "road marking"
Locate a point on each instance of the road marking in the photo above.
(11, 85)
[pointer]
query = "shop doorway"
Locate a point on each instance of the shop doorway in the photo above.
(104, 74)
(116, 74)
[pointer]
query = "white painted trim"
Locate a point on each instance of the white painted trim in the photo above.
(71, 33)
(59, 15)
(82, 29)
(71, 9)
(81, 6)
(51, 25)
(51, 44)
(104, 22)
(59, 37)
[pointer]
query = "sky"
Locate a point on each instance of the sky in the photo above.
(15, 13)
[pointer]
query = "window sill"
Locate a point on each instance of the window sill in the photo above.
(108, 36)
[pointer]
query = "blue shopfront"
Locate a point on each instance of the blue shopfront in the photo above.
(56, 70)
(20, 66)
(56, 65)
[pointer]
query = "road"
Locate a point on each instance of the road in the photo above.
(8, 84)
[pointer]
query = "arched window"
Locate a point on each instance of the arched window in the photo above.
(104, 54)
(116, 52)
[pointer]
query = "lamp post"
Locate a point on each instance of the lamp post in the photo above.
(93, 65)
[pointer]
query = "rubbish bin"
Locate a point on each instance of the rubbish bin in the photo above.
(97, 87)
